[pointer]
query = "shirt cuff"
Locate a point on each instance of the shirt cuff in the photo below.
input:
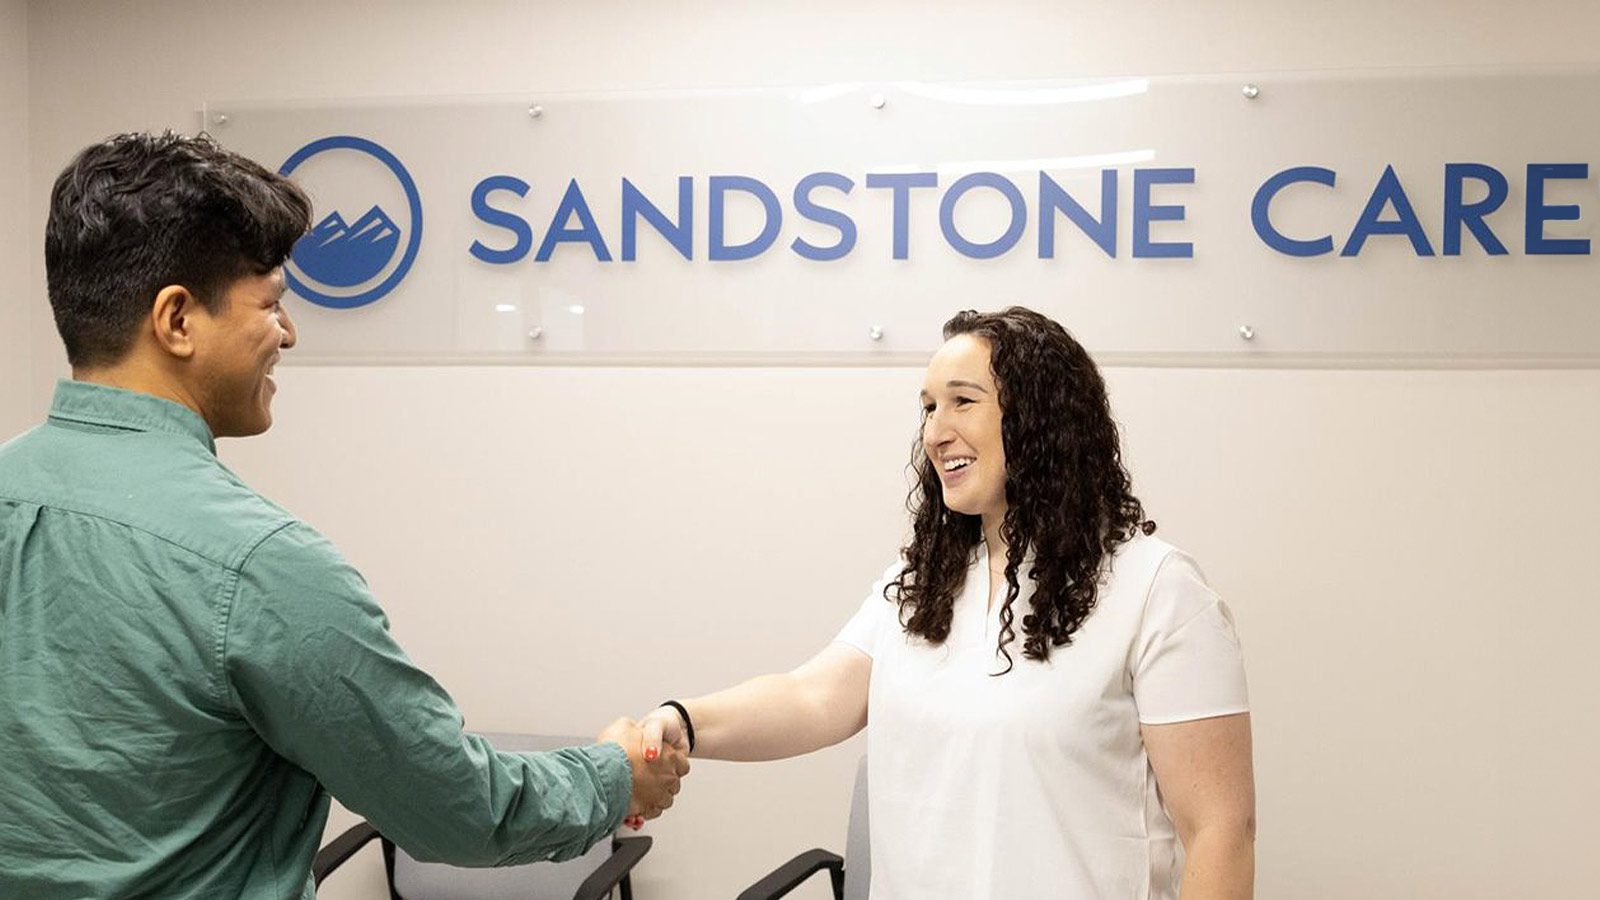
(616, 775)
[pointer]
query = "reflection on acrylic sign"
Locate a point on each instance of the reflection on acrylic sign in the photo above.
(1341, 218)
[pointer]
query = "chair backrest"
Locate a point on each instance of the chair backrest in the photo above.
(857, 846)
(415, 880)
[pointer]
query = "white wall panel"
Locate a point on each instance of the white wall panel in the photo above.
(17, 246)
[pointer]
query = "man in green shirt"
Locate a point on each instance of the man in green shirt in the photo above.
(186, 670)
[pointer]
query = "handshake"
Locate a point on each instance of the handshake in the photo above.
(658, 752)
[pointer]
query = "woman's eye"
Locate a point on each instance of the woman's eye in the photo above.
(927, 409)
(963, 401)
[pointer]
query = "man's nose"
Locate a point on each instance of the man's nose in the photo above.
(287, 324)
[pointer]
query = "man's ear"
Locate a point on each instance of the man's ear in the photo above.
(172, 320)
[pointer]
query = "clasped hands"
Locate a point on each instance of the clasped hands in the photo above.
(658, 754)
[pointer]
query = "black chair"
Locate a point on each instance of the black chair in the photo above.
(593, 876)
(851, 874)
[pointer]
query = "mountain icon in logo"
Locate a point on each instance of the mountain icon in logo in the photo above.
(341, 255)
(343, 266)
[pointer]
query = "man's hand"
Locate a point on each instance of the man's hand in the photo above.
(656, 777)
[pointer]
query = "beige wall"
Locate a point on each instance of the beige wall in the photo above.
(561, 546)
(16, 406)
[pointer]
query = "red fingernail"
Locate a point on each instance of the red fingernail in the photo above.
(650, 754)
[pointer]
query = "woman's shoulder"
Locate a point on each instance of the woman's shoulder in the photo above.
(1162, 579)
(1140, 557)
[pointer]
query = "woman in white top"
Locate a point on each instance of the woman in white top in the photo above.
(1057, 699)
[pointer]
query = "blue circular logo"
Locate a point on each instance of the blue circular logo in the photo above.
(340, 254)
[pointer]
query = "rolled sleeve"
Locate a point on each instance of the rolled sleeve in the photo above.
(309, 662)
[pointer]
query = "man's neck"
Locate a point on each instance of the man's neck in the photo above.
(131, 375)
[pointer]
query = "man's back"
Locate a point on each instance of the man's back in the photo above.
(128, 768)
(186, 672)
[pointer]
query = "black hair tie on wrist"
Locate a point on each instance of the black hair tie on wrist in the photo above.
(688, 723)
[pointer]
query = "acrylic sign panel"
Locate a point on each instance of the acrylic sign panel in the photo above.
(1330, 218)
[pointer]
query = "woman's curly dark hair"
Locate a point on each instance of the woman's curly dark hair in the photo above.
(1068, 498)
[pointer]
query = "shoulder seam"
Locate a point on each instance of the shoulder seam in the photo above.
(1131, 663)
(1150, 586)
(1150, 590)
(1216, 599)
(105, 516)
(225, 604)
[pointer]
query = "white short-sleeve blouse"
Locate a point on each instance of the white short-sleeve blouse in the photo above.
(1034, 785)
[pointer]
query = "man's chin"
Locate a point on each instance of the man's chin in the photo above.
(261, 424)
(250, 427)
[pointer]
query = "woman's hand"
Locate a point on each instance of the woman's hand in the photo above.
(664, 726)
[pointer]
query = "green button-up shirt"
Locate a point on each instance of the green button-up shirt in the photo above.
(187, 672)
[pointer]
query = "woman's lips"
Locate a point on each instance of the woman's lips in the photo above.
(953, 476)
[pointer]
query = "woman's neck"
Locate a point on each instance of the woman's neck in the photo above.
(997, 544)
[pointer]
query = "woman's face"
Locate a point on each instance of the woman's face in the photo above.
(961, 427)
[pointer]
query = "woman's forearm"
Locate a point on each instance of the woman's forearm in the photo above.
(777, 716)
(1220, 864)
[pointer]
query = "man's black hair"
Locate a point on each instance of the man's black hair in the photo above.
(139, 212)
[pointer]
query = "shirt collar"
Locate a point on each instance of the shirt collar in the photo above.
(97, 404)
